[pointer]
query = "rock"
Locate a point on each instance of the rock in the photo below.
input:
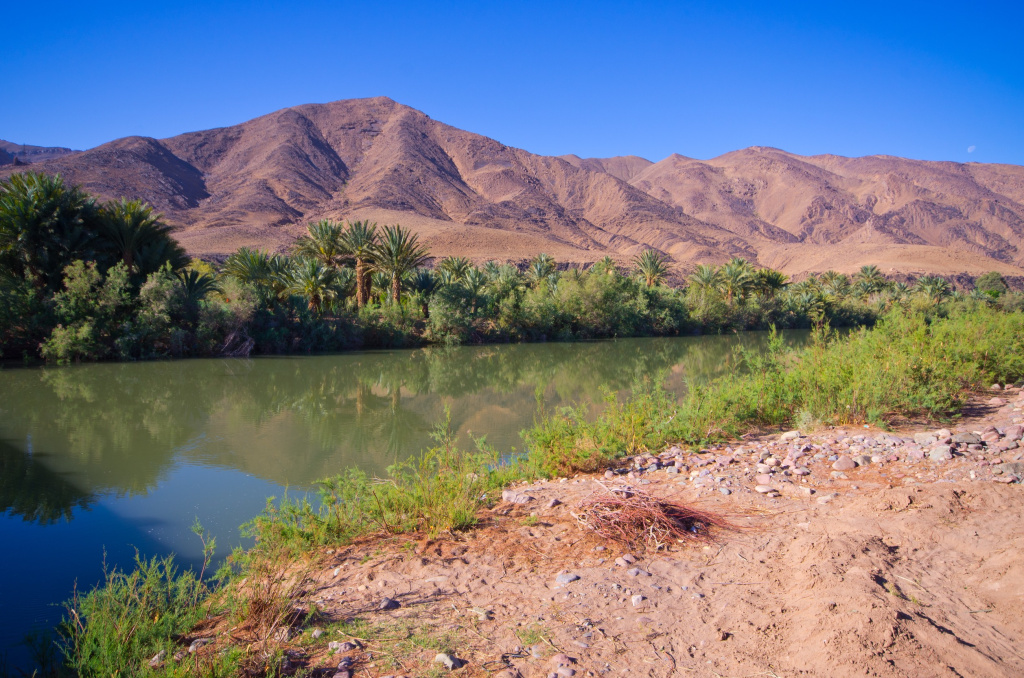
(561, 659)
(801, 471)
(565, 671)
(1014, 467)
(389, 604)
(609, 474)
(924, 438)
(317, 633)
(158, 659)
(790, 435)
(513, 497)
(450, 662)
(507, 673)
(862, 460)
(764, 468)
(998, 402)
(637, 599)
(826, 498)
(1015, 432)
(637, 572)
(764, 489)
(877, 458)
(198, 643)
(763, 479)
(626, 558)
(844, 463)
(940, 453)
(553, 503)
(725, 490)
(567, 578)
(344, 673)
(671, 470)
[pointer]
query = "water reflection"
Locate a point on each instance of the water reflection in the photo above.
(33, 492)
(118, 428)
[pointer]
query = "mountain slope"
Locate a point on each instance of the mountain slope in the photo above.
(259, 182)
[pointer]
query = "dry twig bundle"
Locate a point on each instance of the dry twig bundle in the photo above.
(634, 518)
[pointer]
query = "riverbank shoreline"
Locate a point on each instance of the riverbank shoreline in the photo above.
(893, 567)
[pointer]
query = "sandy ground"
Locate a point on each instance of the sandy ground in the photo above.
(902, 566)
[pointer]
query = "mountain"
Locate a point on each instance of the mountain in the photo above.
(29, 154)
(259, 182)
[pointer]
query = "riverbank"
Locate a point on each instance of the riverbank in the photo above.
(889, 553)
(909, 368)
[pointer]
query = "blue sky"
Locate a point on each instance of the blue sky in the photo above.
(922, 80)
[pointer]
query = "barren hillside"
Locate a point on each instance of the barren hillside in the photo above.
(259, 182)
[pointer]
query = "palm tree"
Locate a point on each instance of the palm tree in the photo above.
(705, 279)
(323, 242)
(474, 282)
(137, 237)
(457, 267)
(268, 273)
(397, 253)
(835, 284)
(195, 285)
(506, 282)
(934, 288)
(651, 266)
(541, 268)
(737, 280)
(422, 284)
(768, 282)
(872, 278)
(359, 242)
(605, 265)
(44, 227)
(313, 281)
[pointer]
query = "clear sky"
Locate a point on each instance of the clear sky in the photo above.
(922, 80)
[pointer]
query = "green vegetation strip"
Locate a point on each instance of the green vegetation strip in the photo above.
(909, 365)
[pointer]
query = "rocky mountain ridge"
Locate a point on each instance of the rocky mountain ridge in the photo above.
(259, 182)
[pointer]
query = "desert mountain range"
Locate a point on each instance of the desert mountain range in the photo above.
(258, 183)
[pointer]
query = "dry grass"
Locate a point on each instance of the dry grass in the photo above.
(635, 518)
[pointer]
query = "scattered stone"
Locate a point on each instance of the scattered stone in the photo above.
(627, 559)
(553, 503)
(998, 402)
(389, 604)
(940, 453)
(566, 578)
(450, 662)
(609, 474)
(317, 633)
(637, 599)
(826, 498)
(862, 460)
(561, 659)
(801, 471)
(198, 643)
(725, 490)
(763, 479)
(924, 438)
(995, 387)
(844, 463)
(158, 659)
(513, 497)
(1014, 467)
(790, 435)
(764, 489)
(344, 673)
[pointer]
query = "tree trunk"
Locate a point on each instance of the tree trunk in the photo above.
(362, 294)
(396, 288)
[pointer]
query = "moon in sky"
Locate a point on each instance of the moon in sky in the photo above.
(970, 149)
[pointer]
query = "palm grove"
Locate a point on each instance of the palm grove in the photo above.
(81, 280)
